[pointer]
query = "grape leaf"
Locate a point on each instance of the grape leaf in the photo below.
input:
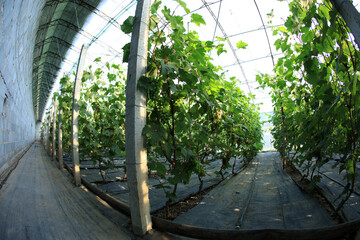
(197, 19)
(126, 27)
(241, 45)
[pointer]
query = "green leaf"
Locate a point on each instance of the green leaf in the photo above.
(324, 11)
(154, 20)
(353, 92)
(171, 196)
(277, 44)
(220, 39)
(111, 77)
(98, 72)
(126, 54)
(144, 83)
(308, 36)
(173, 88)
(220, 49)
(187, 153)
(158, 167)
(166, 69)
(155, 132)
(183, 5)
(240, 44)
(98, 59)
(197, 19)
(126, 27)
(155, 6)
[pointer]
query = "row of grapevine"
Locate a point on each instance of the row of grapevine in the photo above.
(316, 93)
(194, 115)
(102, 114)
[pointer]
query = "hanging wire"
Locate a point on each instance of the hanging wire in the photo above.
(254, 30)
(267, 36)
(253, 59)
(95, 38)
(217, 20)
(112, 21)
(229, 43)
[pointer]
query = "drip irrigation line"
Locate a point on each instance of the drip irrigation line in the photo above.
(338, 182)
(335, 231)
(281, 198)
(251, 191)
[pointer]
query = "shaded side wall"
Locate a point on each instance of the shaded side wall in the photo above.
(18, 24)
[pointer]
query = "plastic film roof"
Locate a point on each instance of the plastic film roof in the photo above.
(60, 21)
(63, 30)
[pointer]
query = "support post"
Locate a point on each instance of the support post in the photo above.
(54, 131)
(75, 116)
(61, 162)
(48, 134)
(50, 128)
(136, 155)
(351, 16)
(45, 134)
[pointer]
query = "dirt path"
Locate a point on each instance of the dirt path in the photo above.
(261, 196)
(38, 201)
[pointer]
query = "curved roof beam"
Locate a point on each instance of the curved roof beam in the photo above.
(229, 42)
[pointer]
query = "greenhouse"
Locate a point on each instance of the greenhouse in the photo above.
(179, 119)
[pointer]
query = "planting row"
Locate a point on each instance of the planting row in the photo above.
(316, 93)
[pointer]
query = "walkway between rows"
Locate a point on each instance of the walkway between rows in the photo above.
(261, 196)
(38, 201)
